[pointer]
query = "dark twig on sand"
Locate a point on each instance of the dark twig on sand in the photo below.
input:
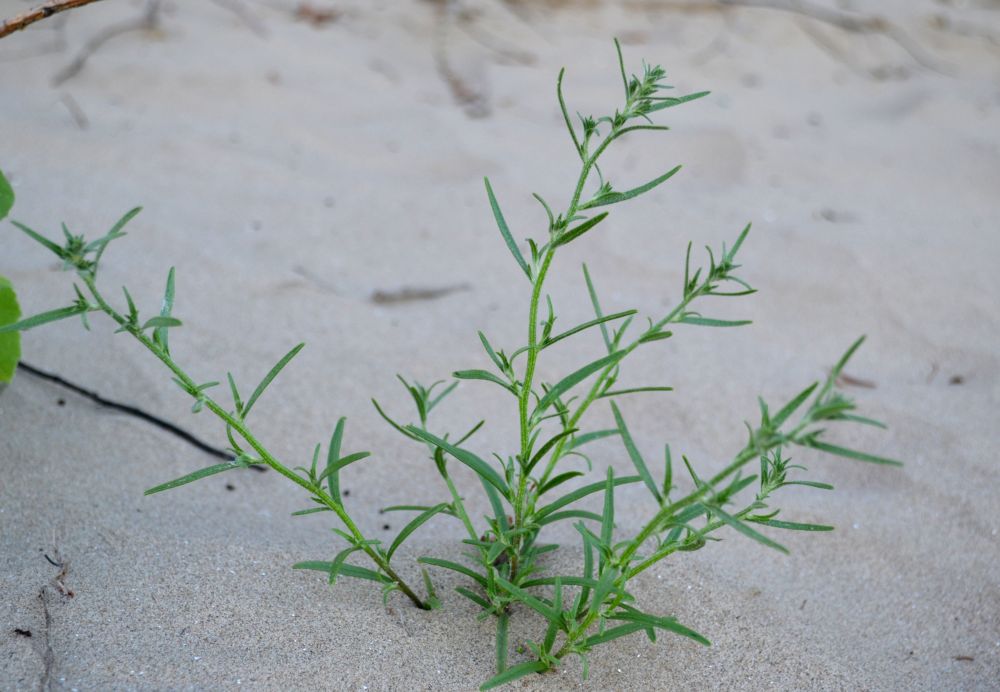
(37, 14)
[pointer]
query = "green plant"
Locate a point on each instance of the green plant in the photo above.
(10, 312)
(528, 487)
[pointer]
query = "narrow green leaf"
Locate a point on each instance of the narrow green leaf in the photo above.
(505, 231)
(340, 560)
(332, 457)
(709, 322)
(191, 477)
(615, 197)
(670, 102)
(555, 623)
(503, 621)
(568, 514)
(608, 515)
(6, 196)
(345, 571)
(161, 323)
(633, 390)
(581, 493)
(605, 585)
(795, 526)
(852, 454)
(490, 352)
(269, 378)
(612, 634)
(160, 336)
(393, 423)
(565, 114)
(513, 673)
(668, 472)
(546, 447)
(810, 484)
(668, 624)
(635, 456)
(575, 378)
(43, 318)
(485, 376)
(572, 234)
(792, 406)
(558, 480)
(39, 238)
(746, 530)
(597, 308)
(454, 567)
(10, 313)
(587, 325)
(414, 524)
(583, 439)
(483, 469)
(339, 464)
(527, 599)
(474, 597)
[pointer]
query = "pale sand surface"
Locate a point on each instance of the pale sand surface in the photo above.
(290, 177)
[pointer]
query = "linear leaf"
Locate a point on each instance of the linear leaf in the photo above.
(513, 673)
(576, 377)
(192, 477)
(483, 469)
(597, 307)
(577, 231)
(527, 599)
(504, 230)
(332, 456)
(474, 597)
(795, 526)
(793, 405)
(414, 524)
(269, 378)
(568, 514)
(503, 620)
(852, 454)
(483, 375)
(583, 439)
(586, 325)
(746, 530)
(580, 493)
(668, 624)
(6, 196)
(166, 309)
(546, 447)
(615, 197)
(39, 238)
(454, 567)
(345, 570)
(670, 102)
(635, 456)
(43, 318)
(710, 322)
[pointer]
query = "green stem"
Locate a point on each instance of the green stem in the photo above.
(239, 426)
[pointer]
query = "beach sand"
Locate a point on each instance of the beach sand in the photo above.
(310, 179)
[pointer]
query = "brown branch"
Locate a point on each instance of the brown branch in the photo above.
(37, 14)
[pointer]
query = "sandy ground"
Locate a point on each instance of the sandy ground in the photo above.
(293, 176)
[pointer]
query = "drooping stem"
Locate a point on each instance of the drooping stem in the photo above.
(239, 426)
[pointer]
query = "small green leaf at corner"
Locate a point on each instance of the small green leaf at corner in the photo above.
(10, 312)
(6, 196)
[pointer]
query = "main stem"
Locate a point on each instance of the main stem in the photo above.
(239, 426)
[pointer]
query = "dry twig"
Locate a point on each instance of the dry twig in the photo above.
(37, 14)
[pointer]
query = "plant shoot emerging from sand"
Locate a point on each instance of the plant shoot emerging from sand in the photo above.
(532, 486)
